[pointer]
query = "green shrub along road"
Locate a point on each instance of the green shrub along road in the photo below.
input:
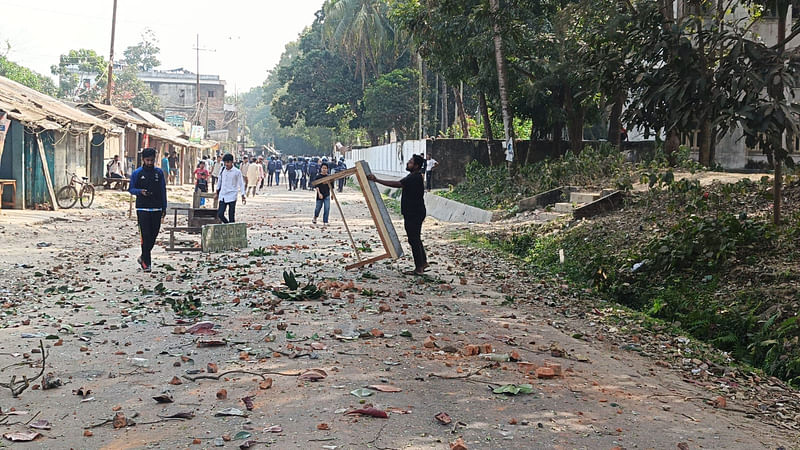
(705, 259)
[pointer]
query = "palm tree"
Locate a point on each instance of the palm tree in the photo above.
(502, 71)
(361, 32)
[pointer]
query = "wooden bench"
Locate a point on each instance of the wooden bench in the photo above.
(197, 218)
(120, 184)
(13, 184)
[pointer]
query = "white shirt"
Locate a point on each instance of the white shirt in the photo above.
(218, 165)
(229, 185)
(431, 162)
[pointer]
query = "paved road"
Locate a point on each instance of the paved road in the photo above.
(114, 333)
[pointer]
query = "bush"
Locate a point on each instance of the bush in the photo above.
(493, 187)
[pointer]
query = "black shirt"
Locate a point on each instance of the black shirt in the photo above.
(324, 188)
(412, 203)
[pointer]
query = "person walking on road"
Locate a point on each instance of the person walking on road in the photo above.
(231, 182)
(341, 167)
(290, 173)
(278, 170)
(412, 206)
(201, 180)
(270, 170)
(149, 184)
(430, 166)
(254, 176)
(215, 172)
(323, 196)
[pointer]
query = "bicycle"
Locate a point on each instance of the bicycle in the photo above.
(68, 195)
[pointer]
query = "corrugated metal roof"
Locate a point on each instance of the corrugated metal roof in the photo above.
(39, 110)
(166, 132)
(110, 112)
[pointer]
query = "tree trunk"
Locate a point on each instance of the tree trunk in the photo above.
(614, 118)
(705, 144)
(445, 111)
(487, 124)
(462, 115)
(502, 71)
(575, 120)
(671, 145)
(777, 189)
(487, 121)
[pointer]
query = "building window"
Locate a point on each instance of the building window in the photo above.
(210, 94)
(212, 125)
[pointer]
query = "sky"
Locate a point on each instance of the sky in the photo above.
(247, 36)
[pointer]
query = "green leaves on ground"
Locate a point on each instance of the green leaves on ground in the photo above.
(514, 389)
(294, 292)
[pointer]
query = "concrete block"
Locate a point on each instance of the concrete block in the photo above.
(605, 204)
(448, 210)
(223, 237)
(607, 192)
(563, 207)
(583, 197)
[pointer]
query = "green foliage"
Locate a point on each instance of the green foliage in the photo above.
(295, 292)
(26, 77)
(688, 263)
(390, 103)
(259, 252)
(144, 55)
(490, 187)
(130, 91)
(78, 65)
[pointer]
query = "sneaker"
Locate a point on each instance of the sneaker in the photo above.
(142, 264)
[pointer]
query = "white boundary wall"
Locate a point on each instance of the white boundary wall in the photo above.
(388, 159)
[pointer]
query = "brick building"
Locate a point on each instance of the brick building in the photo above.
(177, 90)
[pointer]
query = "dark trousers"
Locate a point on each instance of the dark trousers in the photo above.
(231, 211)
(149, 226)
(341, 183)
(429, 180)
(413, 226)
(270, 176)
(303, 180)
(213, 182)
(292, 181)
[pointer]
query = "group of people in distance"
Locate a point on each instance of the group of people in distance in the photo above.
(149, 184)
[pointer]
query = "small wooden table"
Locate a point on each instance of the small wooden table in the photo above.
(176, 229)
(13, 184)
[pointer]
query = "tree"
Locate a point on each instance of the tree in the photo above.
(502, 71)
(129, 91)
(360, 32)
(144, 55)
(389, 103)
(321, 89)
(27, 77)
(77, 67)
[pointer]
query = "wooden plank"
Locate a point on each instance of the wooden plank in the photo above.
(380, 215)
(367, 262)
(334, 177)
(46, 169)
(339, 207)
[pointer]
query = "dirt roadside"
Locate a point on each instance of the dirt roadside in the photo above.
(74, 280)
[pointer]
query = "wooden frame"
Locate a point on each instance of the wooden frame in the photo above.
(377, 209)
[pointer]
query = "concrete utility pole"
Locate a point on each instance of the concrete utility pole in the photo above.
(197, 88)
(111, 55)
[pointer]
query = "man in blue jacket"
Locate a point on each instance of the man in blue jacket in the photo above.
(148, 183)
(270, 170)
(290, 173)
(313, 170)
(278, 170)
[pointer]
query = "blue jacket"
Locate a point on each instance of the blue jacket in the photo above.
(271, 165)
(153, 181)
(278, 165)
(290, 168)
(313, 169)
